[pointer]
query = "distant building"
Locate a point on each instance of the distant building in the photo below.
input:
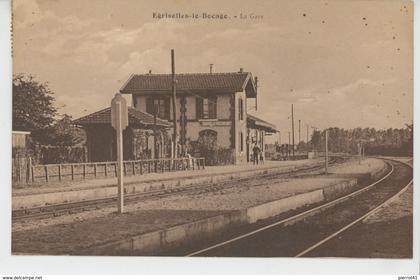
(20, 139)
(212, 109)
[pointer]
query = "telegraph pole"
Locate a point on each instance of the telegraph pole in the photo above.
(326, 151)
(299, 134)
(175, 136)
(155, 130)
(288, 147)
(293, 135)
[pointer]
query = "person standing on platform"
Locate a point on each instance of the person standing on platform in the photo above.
(256, 153)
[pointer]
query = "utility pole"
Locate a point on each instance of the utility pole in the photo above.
(288, 147)
(299, 132)
(156, 108)
(326, 151)
(175, 136)
(293, 135)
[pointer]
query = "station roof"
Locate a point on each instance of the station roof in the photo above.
(136, 118)
(191, 82)
(255, 122)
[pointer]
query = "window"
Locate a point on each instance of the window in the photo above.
(161, 104)
(241, 109)
(206, 107)
(242, 142)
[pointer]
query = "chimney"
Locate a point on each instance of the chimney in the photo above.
(150, 71)
(211, 68)
(241, 70)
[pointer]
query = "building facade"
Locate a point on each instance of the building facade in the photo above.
(211, 110)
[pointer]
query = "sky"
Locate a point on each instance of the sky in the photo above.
(341, 63)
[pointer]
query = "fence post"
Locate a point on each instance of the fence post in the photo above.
(134, 168)
(156, 164)
(32, 173)
(148, 166)
(72, 172)
(141, 168)
(163, 165)
(84, 171)
(94, 170)
(47, 179)
(29, 169)
(106, 170)
(59, 172)
(115, 169)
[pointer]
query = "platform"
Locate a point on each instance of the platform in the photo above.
(55, 193)
(177, 218)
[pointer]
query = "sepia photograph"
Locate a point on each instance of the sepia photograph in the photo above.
(264, 129)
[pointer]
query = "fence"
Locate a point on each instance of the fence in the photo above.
(80, 171)
(21, 169)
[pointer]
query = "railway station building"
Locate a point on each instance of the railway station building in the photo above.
(212, 117)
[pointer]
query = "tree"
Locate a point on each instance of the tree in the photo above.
(62, 133)
(32, 104)
(316, 139)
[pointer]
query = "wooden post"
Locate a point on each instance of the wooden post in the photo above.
(141, 168)
(106, 170)
(148, 166)
(84, 171)
(174, 111)
(326, 151)
(47, 179)
(95, 170)
(293, 135)
(29, 177)
(59, 172)
(134, 168)
(115, 169)
(72, 172)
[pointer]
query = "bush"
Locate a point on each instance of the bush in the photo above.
(62, 154)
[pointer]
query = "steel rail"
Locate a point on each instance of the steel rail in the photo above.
(385, 203)
(297, 216)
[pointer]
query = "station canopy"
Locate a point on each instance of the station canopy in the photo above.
(257, 123)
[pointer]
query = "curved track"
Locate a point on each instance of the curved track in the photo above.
(302, 233)
(86, 205)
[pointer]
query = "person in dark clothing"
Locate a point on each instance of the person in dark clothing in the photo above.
(256, 153)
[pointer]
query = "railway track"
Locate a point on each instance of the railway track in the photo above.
(55, 210)
(302, 234)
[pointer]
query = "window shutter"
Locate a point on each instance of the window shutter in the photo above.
(149, 105)
(199, 107)
(167, 107)
(213, 107)
(240, 109)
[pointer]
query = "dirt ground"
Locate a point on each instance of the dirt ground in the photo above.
(65, 238)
